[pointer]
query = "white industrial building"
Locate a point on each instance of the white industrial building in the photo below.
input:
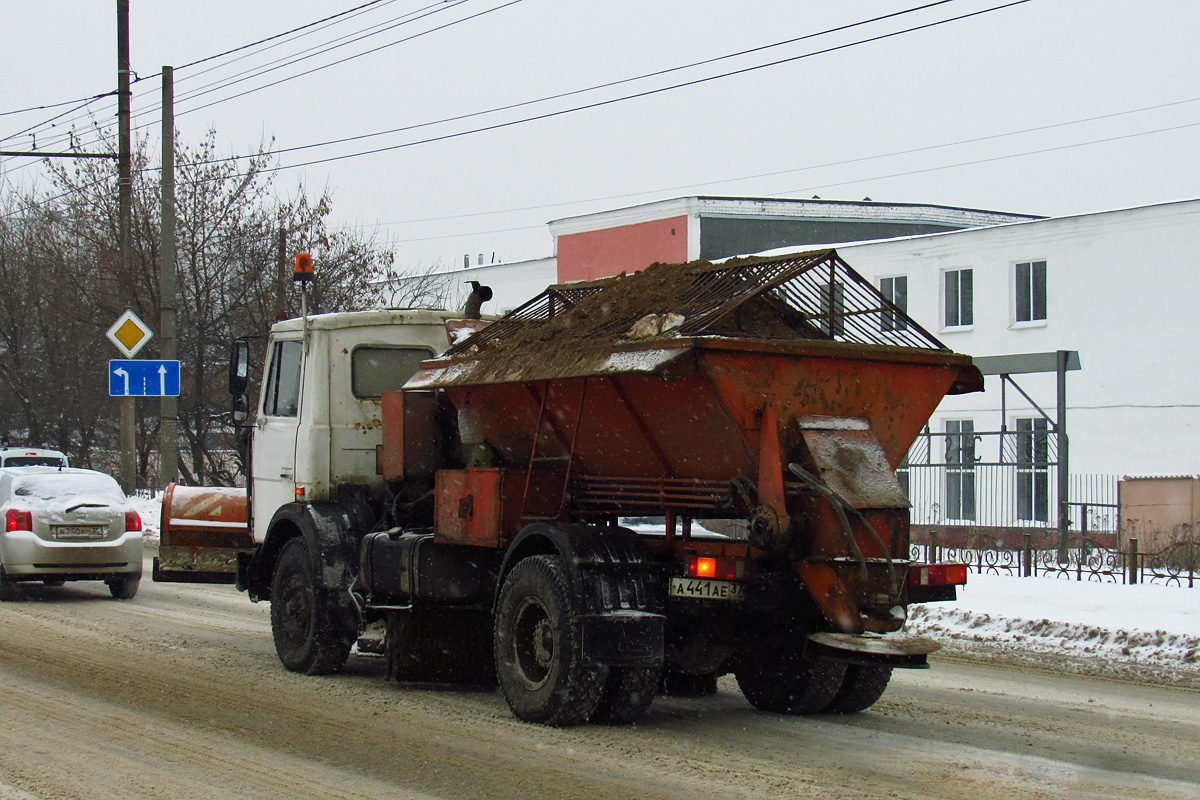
(1122, 288)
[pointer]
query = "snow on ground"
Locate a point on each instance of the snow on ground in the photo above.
(1151, 626)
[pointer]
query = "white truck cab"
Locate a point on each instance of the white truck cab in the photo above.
(319, 414)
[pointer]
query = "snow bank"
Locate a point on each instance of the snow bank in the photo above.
(150, 510)
(1153, 625)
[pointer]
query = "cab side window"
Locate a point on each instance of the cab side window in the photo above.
(281, 397)
(375, 370)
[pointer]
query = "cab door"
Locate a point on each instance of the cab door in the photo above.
(273, 464)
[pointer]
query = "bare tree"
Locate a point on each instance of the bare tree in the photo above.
(61, 286)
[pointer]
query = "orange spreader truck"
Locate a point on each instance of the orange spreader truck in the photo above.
(620, 488)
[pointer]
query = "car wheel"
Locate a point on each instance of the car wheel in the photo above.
(302, 616)
(8, 587)
(124, 588)
(539, 654)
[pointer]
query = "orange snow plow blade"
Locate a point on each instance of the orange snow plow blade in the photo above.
(202, 530)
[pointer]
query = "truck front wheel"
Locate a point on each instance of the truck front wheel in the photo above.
(302, 616)
(788, 684)
(539, 659)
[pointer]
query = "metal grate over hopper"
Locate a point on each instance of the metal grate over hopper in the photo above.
(814, 295)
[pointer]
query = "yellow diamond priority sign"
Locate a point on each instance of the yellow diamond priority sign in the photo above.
(129, 334)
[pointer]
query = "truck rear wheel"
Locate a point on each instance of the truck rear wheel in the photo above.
(861, 687)
(789, 684)
(538, 647)
(628, 693)
(302, 616)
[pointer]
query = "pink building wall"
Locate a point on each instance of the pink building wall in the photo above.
(628, 248)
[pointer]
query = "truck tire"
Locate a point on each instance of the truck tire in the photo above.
(628, 693)
(124, 588)
(538, 648)
(302, 616)
(861, 687)
(789, 684)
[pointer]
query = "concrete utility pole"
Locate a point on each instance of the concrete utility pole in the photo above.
(168, 466)
(1064, 461)
(125, 211)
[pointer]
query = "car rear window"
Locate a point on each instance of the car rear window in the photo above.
(66, 484)
(33, 461)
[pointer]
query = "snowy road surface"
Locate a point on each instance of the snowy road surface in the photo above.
(178, 694)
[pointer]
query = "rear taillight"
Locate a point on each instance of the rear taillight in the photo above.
(937, 574)
(133, 521)
(15, 520)
(722, 568)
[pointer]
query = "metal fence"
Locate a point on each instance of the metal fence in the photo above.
(1001, 479)
(1083, 559)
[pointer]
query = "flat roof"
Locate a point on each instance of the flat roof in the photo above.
(788, 208)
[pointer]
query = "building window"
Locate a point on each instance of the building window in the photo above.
(1033, 469)
(958, 293)
(1031, 291)
(960, 469)
(896, 291)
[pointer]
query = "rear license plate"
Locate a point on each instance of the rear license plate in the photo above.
(707, 589)
(77, 532)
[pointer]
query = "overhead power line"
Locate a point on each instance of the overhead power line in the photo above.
(956, 165)
(342, 60)
(812, 167)
(611, 84)
(325, 21)
(409, 17)
(623, 98)
(331, 17)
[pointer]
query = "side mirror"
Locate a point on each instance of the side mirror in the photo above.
(240, 408)
(239, 369)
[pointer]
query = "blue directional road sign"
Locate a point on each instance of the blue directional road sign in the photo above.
(143, 377)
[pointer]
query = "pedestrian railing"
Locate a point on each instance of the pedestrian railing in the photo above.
(1082, 559)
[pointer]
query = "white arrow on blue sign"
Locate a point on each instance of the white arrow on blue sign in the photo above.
(143, 377)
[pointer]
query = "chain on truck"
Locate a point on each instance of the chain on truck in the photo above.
(621, 488)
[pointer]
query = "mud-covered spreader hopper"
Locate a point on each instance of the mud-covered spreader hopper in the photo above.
(779, 392)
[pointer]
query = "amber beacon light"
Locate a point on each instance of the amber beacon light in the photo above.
(304, 268)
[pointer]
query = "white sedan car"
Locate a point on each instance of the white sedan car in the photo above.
(67, 525)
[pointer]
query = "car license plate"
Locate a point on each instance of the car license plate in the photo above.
(77, 532)
(707, 589)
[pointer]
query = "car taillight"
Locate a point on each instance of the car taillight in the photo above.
(722, 568)
(15, 520)
(133, 521)
(938, 574)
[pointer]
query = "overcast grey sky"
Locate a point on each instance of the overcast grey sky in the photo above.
(843, 124)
